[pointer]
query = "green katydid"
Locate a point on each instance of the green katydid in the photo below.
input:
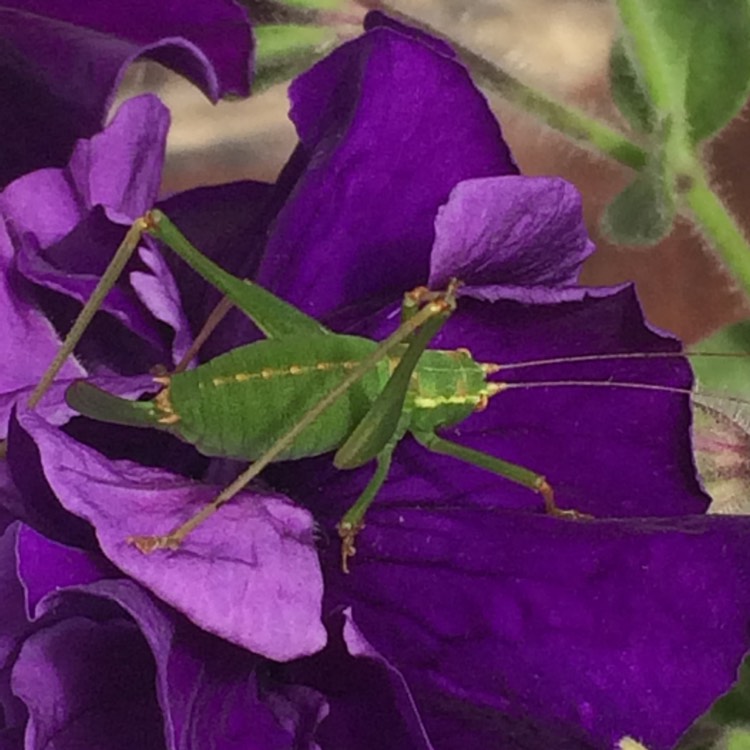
(305, 390)
(309, 391)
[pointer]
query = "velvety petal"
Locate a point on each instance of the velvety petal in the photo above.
(505, 652)
(27, 339)
(34, 502)
(59, 245)
(8, 495)
(46, 566)
(209, 691)
(606, 450)
(528, 632)
(13, 622)
(66, 245)
(249, 574)
(14, 716)
(198, 677)
(61, 63)
(503, 236)
(642, 463)
(158, 291)
(118, 169)
(104, 699)
(388, 127)
(376, 19)
(370, 706)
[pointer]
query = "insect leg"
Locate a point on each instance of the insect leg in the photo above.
(353, 520)
(385, 423)
(515, 473)
(271, 314)
(94, 302)
(377, 435)
(209, 326)
(274, 316)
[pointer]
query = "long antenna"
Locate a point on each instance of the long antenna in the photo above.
(494, 388)
(492, 367)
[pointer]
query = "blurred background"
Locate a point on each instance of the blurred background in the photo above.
(560, 46)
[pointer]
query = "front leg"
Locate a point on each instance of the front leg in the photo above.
(353, 520)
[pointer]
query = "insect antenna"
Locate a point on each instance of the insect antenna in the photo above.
(490, 368)
(494, 388)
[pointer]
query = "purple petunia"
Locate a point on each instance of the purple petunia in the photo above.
(470, 619)
(61, 63)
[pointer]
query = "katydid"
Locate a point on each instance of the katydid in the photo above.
(305, 391)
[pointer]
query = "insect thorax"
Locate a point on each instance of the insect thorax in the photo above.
(447, 386)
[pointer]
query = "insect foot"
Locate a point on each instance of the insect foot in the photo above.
(570, 514)
(348, 532)
(544, 488)
(148, 544)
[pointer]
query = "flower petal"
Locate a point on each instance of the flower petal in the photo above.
(376, 19)
(388, 126)
(52, 48)
(369, 703)
(13, 623)
(91, 701)
(642, 465)
(111, 180)
(27, 339)
(532, 632)
(34, 502)
(503, 235)
(45, 566)
(199, 677)
(249, 573)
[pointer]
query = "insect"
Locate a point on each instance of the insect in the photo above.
(306, 391)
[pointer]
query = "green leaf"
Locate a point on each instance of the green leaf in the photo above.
(643, 213)
(283, 50)
(718, 76)
(726, 375)
(628, 91)
(693, 59)
(726, 721)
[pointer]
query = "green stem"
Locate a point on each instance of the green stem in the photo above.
(571, 121)
(719, 227)
(638, 21)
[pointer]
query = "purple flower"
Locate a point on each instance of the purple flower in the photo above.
(90, 659)
(61, 63)
(470, 619)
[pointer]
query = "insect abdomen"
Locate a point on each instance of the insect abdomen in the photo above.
(238, 404)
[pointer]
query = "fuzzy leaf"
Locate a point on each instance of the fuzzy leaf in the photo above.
(693, 58)
(642, 214)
